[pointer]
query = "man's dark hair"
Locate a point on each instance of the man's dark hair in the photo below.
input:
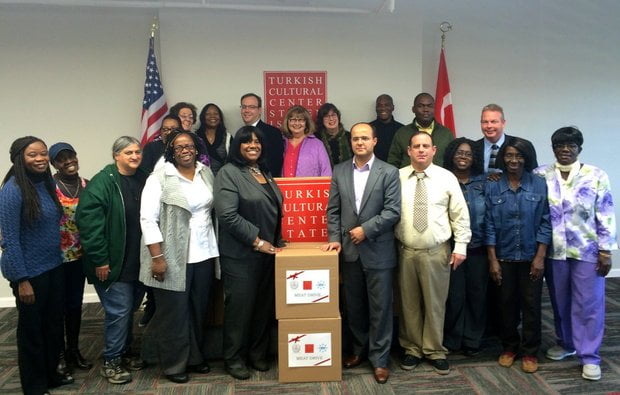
(418, 132)
(260, 101)
(421, 95)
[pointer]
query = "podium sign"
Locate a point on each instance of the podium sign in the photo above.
(304, 208)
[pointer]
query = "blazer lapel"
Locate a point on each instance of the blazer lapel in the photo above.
(250, 178)
(348, 183)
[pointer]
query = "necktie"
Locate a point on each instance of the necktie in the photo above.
(420, 204)
(494, 151)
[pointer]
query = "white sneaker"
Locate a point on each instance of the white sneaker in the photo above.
(558, 353)
(591, 372)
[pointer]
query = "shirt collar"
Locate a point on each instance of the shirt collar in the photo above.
(428, 171)
(526, 182)
(171, 170)
(500, 142)
(428, 129)
(366, 166)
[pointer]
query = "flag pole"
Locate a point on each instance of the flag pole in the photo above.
(154, 26)
(444, 27)
(443, 96)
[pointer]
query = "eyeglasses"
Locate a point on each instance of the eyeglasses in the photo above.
(332, 115)
(180, 148)
(511, 156)
(464, 154)
(186, 116)
(248, 107)
(570, 146)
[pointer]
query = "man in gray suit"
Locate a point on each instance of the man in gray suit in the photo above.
(364, 204)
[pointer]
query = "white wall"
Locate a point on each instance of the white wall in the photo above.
(76, 74)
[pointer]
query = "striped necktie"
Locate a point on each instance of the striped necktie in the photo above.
(492, 159)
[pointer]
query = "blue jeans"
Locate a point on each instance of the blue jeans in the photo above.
(119, 301)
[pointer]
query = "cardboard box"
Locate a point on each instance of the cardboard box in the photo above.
(306, 281)
(309, 350)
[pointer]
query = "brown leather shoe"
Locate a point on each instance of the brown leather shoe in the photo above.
(352, 361)
(506, 359)
(529, 364)
(381, 375)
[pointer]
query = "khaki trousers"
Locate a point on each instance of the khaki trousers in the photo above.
(423, 279)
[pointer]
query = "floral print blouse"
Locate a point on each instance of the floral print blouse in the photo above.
(69, 235)
(582, 213)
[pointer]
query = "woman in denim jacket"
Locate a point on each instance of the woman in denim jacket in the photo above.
(466, 305)
(517, 234)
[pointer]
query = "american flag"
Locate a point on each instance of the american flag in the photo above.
(154, 106)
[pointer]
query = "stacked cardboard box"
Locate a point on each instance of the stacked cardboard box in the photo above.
(309, 335)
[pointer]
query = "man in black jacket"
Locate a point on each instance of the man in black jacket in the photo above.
(251, 107)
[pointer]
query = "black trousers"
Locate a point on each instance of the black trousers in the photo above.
(466, 307)
(519, 295)
(74, 294)
(249, 309)
(40, 332)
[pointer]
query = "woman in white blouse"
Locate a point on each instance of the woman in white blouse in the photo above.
(179, 255)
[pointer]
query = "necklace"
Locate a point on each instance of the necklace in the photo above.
(77, 186)
(255, 170)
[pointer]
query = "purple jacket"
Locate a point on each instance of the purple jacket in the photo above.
(313, 160)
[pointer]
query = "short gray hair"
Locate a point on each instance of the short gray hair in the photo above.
(123, 142)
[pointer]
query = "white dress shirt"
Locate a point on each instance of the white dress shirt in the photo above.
(447, 211)
(202, 241)
(360, 178)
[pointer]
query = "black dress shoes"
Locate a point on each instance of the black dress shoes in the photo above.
(202, 368)
(240, 372)
(178, 378)
(261, 365)
(75, 358)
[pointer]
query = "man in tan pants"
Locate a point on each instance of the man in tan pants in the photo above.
(433, 210)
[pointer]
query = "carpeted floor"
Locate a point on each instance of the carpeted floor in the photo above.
(479, 375)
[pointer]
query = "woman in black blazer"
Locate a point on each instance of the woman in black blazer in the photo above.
(248, 205)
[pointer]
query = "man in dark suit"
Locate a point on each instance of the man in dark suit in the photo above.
(273, 149)
(492, 124)
(364, 204)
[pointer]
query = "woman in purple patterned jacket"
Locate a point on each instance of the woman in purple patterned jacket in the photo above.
(579, 258)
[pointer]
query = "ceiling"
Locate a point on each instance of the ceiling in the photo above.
(313, 6)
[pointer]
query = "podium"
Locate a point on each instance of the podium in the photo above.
(307, 283)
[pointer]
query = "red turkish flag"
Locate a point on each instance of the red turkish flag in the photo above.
(443, 99)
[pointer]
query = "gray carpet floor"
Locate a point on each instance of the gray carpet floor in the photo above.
(478, 375)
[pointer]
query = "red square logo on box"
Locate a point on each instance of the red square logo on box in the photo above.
(309, 348)
(307, 285)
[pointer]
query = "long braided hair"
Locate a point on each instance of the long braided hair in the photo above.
(31, 207)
